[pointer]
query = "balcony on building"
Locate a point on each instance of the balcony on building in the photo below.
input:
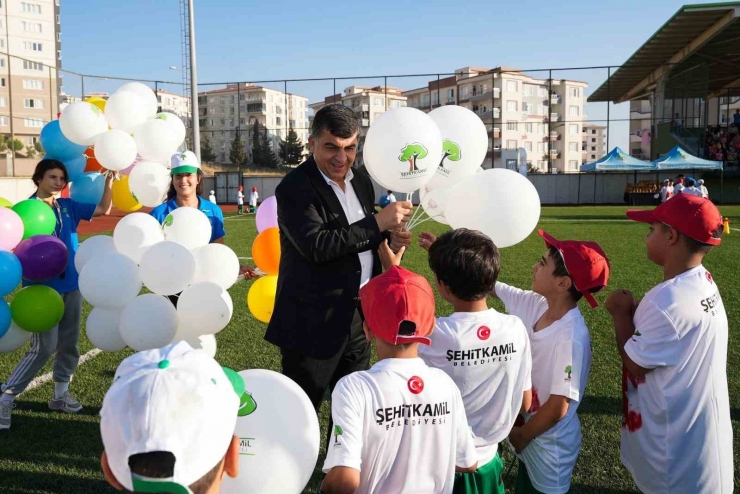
(555, 99)
(554, 117)
(554, 153)
(483, 94)
(366, 122)
(554, 135)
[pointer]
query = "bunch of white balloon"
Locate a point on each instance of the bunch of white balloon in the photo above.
(129, 132)
(438, 154)
(173, 259)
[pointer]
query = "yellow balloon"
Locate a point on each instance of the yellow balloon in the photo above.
(261, 298)
(4, 203)
(99, 102)
(123, 199)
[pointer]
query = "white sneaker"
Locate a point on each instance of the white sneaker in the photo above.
(6, 410)
(67, 404)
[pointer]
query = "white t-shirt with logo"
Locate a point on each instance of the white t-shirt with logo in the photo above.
(487, 354)
(561, 362)
(676, 433)
(402, 425)
(240, 198)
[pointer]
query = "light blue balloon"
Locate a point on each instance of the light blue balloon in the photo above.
(88, 188)
(10, 272)
(75, 167)
(55, 144)
(4, 317)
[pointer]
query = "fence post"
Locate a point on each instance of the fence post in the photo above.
(10, 108)
(549, 124)
(51, 96)
(608, 101)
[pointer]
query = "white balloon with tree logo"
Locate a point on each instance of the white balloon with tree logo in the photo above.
(507, 217)
(403, 149)
(464, 146)
(187, 226)
(278, 433)
(149, 183)
(82, 123)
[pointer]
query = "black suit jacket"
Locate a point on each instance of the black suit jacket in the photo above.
(319, 275)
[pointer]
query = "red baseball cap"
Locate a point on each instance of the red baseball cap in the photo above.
(693, 216)
(586, 263)
(396, 296)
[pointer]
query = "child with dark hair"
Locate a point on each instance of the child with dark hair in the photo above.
(50, 178)
(549, 440)
(676, 429)
(485, 352)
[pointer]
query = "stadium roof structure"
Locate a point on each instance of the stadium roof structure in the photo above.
(701, 35)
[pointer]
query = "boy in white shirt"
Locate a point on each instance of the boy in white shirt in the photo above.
(676, 432)
(240, 200)
(212, 197)
(664, 194)
(399, 427)
(168, 420)
(549, 441)
(485, 352)
(703, 189)
(253, 197)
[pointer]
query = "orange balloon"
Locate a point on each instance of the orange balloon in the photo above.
(266, 251)
(92, 164)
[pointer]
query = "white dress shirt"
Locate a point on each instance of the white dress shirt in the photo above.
(353, 211)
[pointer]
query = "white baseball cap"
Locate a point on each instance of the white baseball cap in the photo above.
(173, 399)
(701, 181)
(185, 162)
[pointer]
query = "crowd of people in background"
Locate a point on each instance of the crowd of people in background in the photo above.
(683, 185)
(722, 144)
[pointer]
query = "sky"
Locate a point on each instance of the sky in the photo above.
(288, 39)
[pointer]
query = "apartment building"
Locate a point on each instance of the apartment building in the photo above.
(30, 32)
(593, 143)
(519, 111)
(174, 103)
(237, 106)
(369, 103)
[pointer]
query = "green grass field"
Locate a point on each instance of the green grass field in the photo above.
(46, 452)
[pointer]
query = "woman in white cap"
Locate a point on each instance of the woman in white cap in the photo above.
(186, 190)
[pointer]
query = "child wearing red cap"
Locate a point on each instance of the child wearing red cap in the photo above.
(676, 431)
(549, 440)
(400, 426)
(240, 200)
(485, 352)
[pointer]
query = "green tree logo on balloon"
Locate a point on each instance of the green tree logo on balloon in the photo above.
(452, 152)
(247, 405)
(411, 153)
(98, 112)
(168, 220)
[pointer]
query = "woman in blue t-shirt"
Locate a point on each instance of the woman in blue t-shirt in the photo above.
(186, 190)
(50, 178)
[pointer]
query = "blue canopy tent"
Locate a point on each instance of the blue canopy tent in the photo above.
(678, 159)
(616, 160)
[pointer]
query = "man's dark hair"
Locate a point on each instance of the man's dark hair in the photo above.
(198, 188)
(467, 262)
(389, 192)
(161, 465)
(339, 120)
(44, 166)
(694, 246)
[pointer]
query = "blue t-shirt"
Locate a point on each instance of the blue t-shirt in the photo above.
(212, 211)
(71, 213)
(736, 118)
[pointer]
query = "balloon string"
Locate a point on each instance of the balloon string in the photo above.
(422, 221)
(416, 212)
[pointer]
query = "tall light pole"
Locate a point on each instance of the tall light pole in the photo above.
(194, 82)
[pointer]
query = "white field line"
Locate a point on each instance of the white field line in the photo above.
(41, 380)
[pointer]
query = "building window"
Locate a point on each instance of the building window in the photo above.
(511, 86)
(541, 147)
(528, 127)
(511, 106)
(511, 145)
(540, 128)
(32, 65)
(59, 37)
(529, 90)
(3, 121)
(33, 103)
(593, 148)
(59, 54)
(2, 62)
(378, 101)
(593, 140)
(31, 46)
(31, 27)
(3, 101)
(573, 146)
(31, 8)
(593, 156)
(511, 125)
(573, 111)
(33, 122)
(573, 165)
(574, 92)
(528, 145)
(573, 129)
(593, 132)
(542, 92)
(2, 42)
(2, 81)
(511, 164)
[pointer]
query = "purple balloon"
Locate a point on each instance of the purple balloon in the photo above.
(42, 257)
(267, 214)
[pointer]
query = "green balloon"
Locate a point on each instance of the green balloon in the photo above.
(4, 203)
(37, 216)
(236, 381)
(37, 308)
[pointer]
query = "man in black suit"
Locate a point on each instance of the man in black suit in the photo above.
(329, 238)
